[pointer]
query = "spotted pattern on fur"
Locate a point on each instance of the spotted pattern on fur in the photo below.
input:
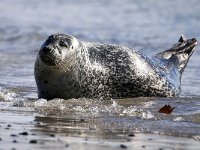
(108, 71)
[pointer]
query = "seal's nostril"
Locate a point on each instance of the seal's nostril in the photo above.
(46, 50)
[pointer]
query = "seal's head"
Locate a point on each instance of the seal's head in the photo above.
(58, 48)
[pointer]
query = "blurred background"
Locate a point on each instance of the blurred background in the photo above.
(149, 26)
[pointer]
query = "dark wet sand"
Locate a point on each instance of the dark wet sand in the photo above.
(22, 130)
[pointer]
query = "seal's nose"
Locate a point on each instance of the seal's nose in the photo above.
(46, 50)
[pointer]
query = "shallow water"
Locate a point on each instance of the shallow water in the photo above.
(149, 26)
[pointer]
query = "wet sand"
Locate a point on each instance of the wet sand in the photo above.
(22, 130)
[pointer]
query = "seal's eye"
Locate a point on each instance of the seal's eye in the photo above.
(63, 43)
(72, 47)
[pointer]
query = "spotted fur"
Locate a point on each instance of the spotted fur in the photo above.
(93, 70)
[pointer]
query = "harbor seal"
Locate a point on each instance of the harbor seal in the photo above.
(69, 68)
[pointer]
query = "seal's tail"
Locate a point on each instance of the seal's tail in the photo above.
(182, 50)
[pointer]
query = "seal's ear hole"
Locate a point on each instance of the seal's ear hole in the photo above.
(72, 47)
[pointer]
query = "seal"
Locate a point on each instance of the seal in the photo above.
(69, 68)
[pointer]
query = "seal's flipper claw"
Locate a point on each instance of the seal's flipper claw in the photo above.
(182, 39)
